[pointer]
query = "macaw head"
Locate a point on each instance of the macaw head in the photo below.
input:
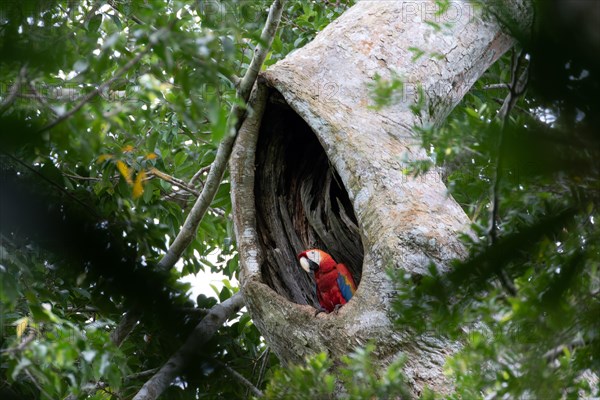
(312, 260)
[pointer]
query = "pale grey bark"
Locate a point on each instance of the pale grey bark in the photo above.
(401, 221)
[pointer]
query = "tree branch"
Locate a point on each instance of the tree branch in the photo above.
(142, 374)
(217, 316)
(517, 87)
(240, 378)
(90, 388)
(115, 7)
(126, 325)
(198, 174)
(174, 181)
(261, 50)
(217, 170)
(263, 366)
(24, 343)
(556, 352)
(494, 86)
(14, 90)
(55, 185)
(36, 383)
(83, 100)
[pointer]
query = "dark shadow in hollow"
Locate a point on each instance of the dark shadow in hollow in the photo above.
(301, 203)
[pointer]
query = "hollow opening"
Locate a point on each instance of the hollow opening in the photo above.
(301, 204)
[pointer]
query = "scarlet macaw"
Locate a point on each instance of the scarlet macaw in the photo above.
(335, 285)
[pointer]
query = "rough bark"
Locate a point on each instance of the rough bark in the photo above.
(316, 166)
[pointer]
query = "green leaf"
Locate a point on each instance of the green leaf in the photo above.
(21, 365)
(93, 24)
(116, 20)
(417, 53)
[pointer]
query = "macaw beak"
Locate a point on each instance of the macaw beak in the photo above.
(308, 265)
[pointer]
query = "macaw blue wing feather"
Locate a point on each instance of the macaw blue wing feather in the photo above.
(346, 287)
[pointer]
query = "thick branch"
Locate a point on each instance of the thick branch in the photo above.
(217, 316)
(215, 175)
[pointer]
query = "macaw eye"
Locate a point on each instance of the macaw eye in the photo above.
(315, 256)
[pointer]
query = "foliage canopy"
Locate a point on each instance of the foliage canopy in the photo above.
(111, 114)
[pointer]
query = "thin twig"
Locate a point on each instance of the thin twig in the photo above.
(21, 346)
(38, 96)
(497, 86)
(263, 366)
(198, 174)
(240, 378)
(174, 181)
(100, 385)
(55, 185)
(84, 178)
(35, 383)
(142, 374)
(516, 107)
(126, 325)
(517, 87)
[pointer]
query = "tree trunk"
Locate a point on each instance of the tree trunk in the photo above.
(316, 166)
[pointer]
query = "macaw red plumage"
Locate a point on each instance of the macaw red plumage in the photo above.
(335, 285)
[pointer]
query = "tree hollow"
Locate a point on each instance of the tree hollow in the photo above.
(301, 203)
(315, 165)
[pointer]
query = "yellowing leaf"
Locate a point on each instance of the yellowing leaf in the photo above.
(103, 157)
(127, 149)
(21, 324)
(138, 186)
(125, 171)
(151, 156)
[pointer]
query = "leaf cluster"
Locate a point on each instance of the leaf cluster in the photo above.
(356, 378)
(524, 303)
